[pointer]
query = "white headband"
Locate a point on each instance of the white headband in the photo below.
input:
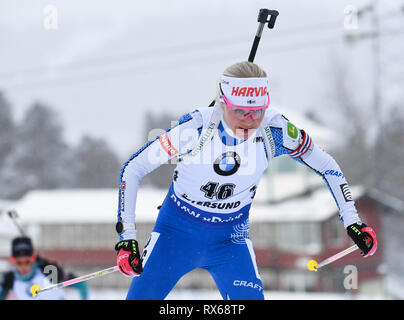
(245, 92)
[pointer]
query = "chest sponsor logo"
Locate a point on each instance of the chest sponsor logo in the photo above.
(227, 164)
(167, 145)
(210, 218)
(213, 205)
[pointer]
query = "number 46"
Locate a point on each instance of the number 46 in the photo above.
(212, 189)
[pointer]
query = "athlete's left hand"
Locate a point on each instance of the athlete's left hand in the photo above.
(364, 237)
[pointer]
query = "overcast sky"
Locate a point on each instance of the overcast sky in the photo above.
(108, 62)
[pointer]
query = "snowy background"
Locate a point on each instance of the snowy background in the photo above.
(85, 82)
(106, 64)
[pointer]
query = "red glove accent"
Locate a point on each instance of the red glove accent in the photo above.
(372, 235)
(124, 265)
(128, 258)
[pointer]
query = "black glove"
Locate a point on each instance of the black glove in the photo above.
(364, 237)
(128, 257)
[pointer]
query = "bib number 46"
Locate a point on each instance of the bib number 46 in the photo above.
(220, 192)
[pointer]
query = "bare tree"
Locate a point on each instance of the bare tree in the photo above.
(370, 155)
(352, 126)
(389, 166)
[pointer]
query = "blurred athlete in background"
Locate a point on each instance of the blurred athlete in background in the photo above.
(30, 269)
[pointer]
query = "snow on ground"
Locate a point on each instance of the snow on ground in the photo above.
(186, 294)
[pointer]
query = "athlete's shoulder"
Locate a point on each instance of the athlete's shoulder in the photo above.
(203, 111)
(191, 119)
(287, 135)
(204, 114)
(274, 118)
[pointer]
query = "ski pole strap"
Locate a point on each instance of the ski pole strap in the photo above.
(207, 134)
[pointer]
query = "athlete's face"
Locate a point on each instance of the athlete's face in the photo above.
(23, 264)
(243, 128)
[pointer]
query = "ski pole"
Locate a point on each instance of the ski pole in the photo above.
(13, 216)
(262, 19)
(35, 289)
(312, 265)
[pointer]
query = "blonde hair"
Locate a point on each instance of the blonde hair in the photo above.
(244, 69)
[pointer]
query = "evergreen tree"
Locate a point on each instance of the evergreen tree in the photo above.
(7, 143)
(41, 158)
(97, 166)
(7, 128)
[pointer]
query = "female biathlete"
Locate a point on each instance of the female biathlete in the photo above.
(221, 153)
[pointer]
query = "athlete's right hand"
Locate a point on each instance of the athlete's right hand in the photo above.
(128, 258)
(364, 237)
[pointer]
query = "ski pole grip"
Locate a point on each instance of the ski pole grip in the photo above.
(274, 14)
(263, 17)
